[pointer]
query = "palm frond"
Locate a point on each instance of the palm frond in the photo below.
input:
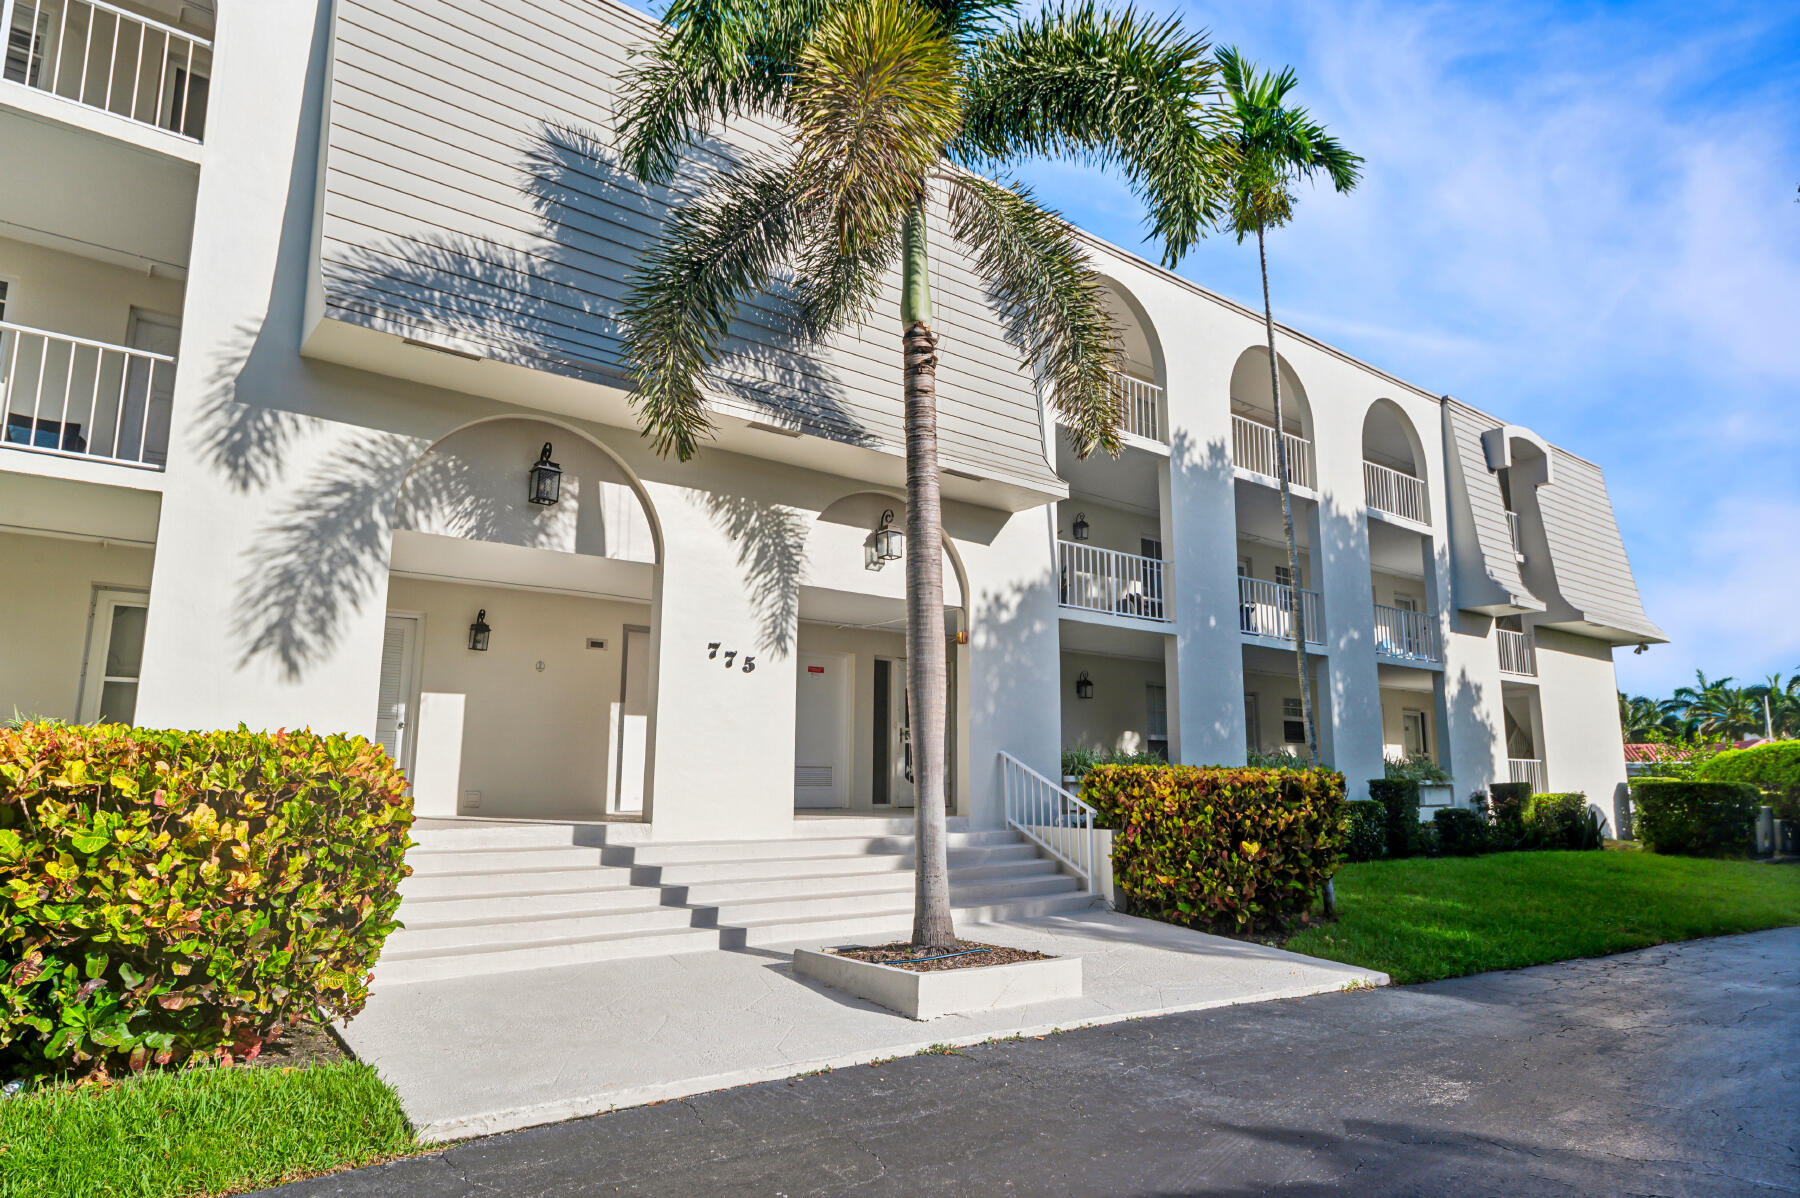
(876, 99)
(1050, 300)
(1120, 89)
(835, 289)
(1275, 145)
(714, 253)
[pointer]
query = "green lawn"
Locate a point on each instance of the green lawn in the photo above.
(1440, 917)
(204, 1131)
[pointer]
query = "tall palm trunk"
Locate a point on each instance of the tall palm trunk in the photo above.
(1297, 620)
(926, 679)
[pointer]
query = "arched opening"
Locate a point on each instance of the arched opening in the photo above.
(1394, 464)
(516, 675)
(852, 720)
(1253, 419)
(1142, 377)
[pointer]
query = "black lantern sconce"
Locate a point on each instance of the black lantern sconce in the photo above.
(888, 542)
(1081, 526)
(1084, 686)
(478, 632)
(546, 479)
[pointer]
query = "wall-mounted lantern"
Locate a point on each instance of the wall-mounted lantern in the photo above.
(478, 632)
(1081, 526)
(546, 479)
(1084, 686)
(889, 542)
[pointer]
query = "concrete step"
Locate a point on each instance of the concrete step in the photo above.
(493, 861)
(897, 921)
(507, 883)
(441, 834)
(466, 937)
(694, 851)
(863, 882)
(400, 967)
(809, 906)
(871, 825)
(687, 873)
(418, 912)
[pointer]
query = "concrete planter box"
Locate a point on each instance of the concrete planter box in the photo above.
(945, 992)
(1435, 796)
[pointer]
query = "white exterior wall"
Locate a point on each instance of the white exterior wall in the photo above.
(1117, 718)
(1578, 699)
(47, 589)
(78, 297)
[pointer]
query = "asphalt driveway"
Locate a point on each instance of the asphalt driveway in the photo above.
(1671, 1071)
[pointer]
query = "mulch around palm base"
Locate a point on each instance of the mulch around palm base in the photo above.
(968, 954)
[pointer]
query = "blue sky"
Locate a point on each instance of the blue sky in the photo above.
(1580, 217)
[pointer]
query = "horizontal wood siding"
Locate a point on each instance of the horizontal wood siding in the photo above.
(468, 192)
(1586, 551)
(1486, 505)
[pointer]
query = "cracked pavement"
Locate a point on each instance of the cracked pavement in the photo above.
(1670, 1071)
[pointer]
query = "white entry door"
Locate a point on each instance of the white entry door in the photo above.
(634, 720)
(398, 698)
(822, 707)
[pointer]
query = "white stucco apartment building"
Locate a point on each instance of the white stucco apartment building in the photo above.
(296, 292)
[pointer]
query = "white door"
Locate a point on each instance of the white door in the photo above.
(150, 393)
(115, 652)
(634, 720)
(1252, 733)
(899, 734)
(822, 707)
(398, 697)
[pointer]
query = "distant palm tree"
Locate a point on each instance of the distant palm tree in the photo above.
(888, 106)
(1781, 701)
(1277, 146)
(1715, 708)
(1641, 717)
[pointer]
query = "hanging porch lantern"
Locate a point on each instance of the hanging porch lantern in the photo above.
(546, 479)
(1081, 526)
(478, 632)
(889, 542)
(1084, 686)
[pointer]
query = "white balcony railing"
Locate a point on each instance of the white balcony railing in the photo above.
(1143, 405)
(80, 398)
(1517, 655)
(1267, 609)
(1105, 580)
(1406, 635)
(1397, 494)
(107, 58)
(1518, 541)
(1253, 449)
(1528, 769)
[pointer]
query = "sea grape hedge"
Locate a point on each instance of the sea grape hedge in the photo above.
(1695, 819)
(1461, 832)
(1400, 798)
(1773, 768)
(1560, 821)
(1365, 830)
(165, 895)
(1216, 847)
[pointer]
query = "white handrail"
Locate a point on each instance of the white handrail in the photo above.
(1142, 401)
(1105, 580)
(101, 56)
(1267, 609)
(1517, 654)
(1050, 817)
(1406, 635)
(1396, 493)
(1253, 449)
(1528, 769)
(74, 397)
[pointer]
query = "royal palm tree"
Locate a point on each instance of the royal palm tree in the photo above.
(891, 107)
(1277, 146)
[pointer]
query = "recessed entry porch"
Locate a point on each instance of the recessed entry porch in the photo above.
(1115, 695)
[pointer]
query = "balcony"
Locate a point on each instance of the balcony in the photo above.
(1402, 634)
(1267, 609)
(1253, 449)
(84, 399)
(1146, 415)
(1397, 494)
(1530, 770)
(109, 60)
(1518, 541)
(1110, 582)
(1517, 654)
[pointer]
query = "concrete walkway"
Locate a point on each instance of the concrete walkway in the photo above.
(472, 1056)
(1671, 1071)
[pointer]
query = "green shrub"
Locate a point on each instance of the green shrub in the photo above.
(1560, 821)
(1365, 830)
(1773, 768)
(1415, 767)
(1696, 819)
(1460, 832)
(1400, 798)
(1506, 814)
(1277, 759)
(1220, 848)
(169, 894)
(1077, 762)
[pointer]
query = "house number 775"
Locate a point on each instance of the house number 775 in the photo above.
(749, 662)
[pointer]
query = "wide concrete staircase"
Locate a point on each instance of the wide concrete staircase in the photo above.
(492, 897)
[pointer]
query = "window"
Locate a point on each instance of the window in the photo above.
(1284, 576)
(1252, 735)
(3, 286)
(1292, 710)
(1156, 719)
(1293, 731)
(24, 51)
(1412, 731)
(109, 686)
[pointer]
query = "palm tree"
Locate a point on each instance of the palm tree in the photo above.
(1276, 147)
(891, 107)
